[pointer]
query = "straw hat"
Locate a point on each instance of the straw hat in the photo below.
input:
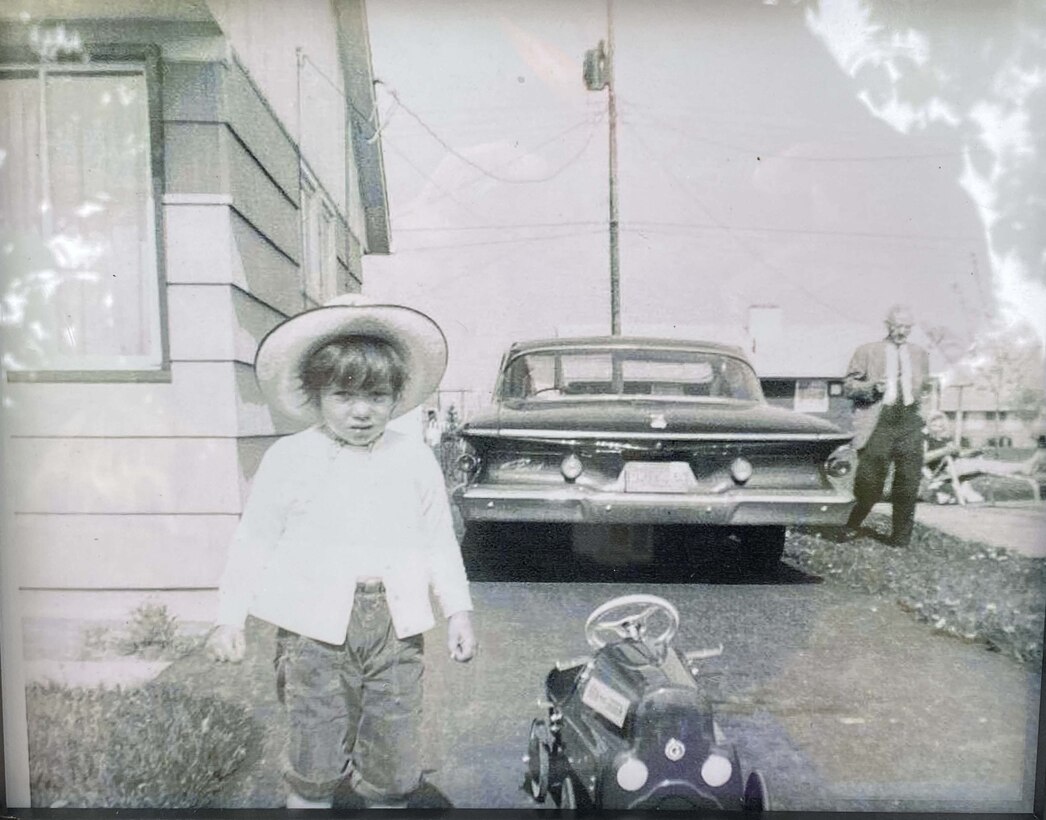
(416, 337)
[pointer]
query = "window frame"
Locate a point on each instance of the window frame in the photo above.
(319, 264)
(147, 57)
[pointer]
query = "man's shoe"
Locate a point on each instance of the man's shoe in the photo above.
(846, 534)
(902, 543)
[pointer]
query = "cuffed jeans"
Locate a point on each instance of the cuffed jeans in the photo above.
(354, 710)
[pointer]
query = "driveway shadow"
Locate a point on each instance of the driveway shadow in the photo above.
(554, 553)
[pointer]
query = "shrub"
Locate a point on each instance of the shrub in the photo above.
(150, 627)
(153, 747)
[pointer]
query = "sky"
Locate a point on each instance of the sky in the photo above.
(828, 159)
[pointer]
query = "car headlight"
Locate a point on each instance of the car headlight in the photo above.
(741, 469)
(716, 770)
(468, 463)
(571, 467)
(632, 774)
(840, 462)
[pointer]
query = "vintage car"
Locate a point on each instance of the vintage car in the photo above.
(619, 430)
(632, 726)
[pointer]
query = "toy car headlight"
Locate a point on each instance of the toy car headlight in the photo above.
(840, 462)
(632, 774)
(716, 770)
(571, 467)
(741, 469)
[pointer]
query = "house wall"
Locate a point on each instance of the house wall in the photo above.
(131, 490)
(288, 51)
(981, 429)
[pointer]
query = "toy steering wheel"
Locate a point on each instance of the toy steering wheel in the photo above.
(634, 613)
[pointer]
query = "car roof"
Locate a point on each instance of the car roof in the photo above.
(559, 342)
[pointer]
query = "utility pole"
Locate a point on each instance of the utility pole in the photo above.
(599, 74)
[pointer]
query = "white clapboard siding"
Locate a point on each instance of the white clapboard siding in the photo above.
(199, 400)
(199, 605)
(252, 320)
(120, 551)
(123, 475)
(262, 270)
(209, 243)
(198, 239)
(202, 399)
(216, 323)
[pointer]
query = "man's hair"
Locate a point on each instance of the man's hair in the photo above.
(898, 312)
(356, 363)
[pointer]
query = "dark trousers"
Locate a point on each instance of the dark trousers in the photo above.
(897, 441)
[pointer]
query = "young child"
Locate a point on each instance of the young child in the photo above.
(346, 530)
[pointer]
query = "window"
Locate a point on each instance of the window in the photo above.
(320, 257)
(78, 219)
(811, 396)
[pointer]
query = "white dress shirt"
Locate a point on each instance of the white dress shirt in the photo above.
(321, 515)
(898, 369)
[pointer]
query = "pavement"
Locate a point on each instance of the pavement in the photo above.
(1019, 526)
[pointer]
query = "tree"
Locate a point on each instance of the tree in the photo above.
(1007, 361)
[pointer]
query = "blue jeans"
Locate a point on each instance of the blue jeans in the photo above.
(354, 710)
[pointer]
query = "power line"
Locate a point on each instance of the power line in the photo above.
(646, 119)
(485, 171)
(669, 227)
(555, 138)
(516, 240)
(902, 237)
(503, 227)
(733, 235)
(427, 177)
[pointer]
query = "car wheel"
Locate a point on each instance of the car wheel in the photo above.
(536, 780)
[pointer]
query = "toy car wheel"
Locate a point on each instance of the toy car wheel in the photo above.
(538, 760)
(567, 796)
(755, 796)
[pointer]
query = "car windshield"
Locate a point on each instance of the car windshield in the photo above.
(551, 375)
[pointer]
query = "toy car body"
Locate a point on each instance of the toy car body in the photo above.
(638, 431)
(632, 727)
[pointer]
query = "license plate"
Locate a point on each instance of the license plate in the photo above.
(658, 477)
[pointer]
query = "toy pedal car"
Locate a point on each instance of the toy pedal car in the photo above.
(632, 726)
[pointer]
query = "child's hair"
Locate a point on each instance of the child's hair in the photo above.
(357, 363)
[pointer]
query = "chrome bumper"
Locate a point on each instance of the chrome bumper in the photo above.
(582, 506)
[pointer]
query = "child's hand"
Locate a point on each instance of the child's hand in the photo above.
(460, 638)
(227, 643)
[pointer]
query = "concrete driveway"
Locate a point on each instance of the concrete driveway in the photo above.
(1014, 525)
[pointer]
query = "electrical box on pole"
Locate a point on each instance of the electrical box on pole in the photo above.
(595, 68)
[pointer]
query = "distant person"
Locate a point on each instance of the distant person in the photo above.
(433, 431)
(885, 382)
(346, 529)
(939, 450)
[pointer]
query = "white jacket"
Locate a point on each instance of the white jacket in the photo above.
(320, 515)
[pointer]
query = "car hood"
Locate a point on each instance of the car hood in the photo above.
(639, 418)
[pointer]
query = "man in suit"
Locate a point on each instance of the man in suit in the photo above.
(885, 382)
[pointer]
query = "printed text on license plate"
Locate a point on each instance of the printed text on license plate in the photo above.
(658, 477)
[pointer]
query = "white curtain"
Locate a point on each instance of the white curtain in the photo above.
(80, 289)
